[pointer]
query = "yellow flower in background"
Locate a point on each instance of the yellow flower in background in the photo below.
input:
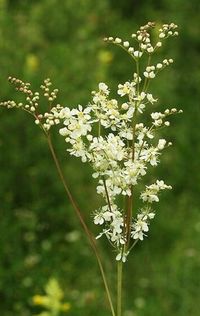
(32, 63)
(38, 300)
(42, 300)
(54, 290)
(105, 57)
(65, 307)
(52, 301)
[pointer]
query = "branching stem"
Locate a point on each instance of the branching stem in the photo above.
(82, 221)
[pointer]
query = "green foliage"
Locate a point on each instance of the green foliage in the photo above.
(40, 235)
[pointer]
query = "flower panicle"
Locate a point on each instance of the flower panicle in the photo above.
(115, 138)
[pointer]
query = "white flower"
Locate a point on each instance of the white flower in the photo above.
(117, 40)
(161, 144)
(63, 131)
(150, 194)
(159, 66)
(149, 72)
(126, 133)
(156, 115)
(162, 35)
(150, 155)
(65, 113)
(107, 216)
(158, 44)
(139, 228)
(126, 88)
(150, 49)
(131, 50)
(98, 219)
(162, 185)
(141, 107)
(151, 99)
(125, 106)
(137, 54)
(122, 256)
(149, 75)
(104, 88)
(78, 149)
(126, 44)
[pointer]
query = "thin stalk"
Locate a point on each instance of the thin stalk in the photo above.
(130, 198)
(144, 141)
(133, 245)
(82, 221)
(119, 287)
(99, 128)
(146, 79)
(129, 218)
(107, 195)
(138, 73)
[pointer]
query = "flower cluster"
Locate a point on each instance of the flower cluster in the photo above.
(111, 136)
(143, 38)
(31, 104)
(141, 224)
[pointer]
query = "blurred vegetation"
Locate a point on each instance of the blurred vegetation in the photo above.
(40, 236)
(52, 301)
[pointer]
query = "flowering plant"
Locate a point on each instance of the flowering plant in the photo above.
(52, 301)
(119, 144)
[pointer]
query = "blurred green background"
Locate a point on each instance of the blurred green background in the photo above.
(40, 237)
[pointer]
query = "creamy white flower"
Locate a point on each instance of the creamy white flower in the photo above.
(117, 40)
(126, 44)
(104, 88)
(122, 256)
(159, 65)
(128, 88)
(150, 195)
(156, 115)
(98, 219)
(63, 131)
(151, 99)
(65, 113)
(126, 133)
(139, 228)
(137, 54)
(149, 75)
(161, 144)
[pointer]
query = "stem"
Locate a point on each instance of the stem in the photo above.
(99, 128)
(82, 221)
(119, 287)
(107, 195)
(146, 81)
(138, 73)
(130, 198)
(129, 218)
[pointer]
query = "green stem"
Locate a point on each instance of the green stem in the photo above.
(107, 195)
(82, 221)
(119, 287)
(99, 128)
(138, 73)
(130, 198)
